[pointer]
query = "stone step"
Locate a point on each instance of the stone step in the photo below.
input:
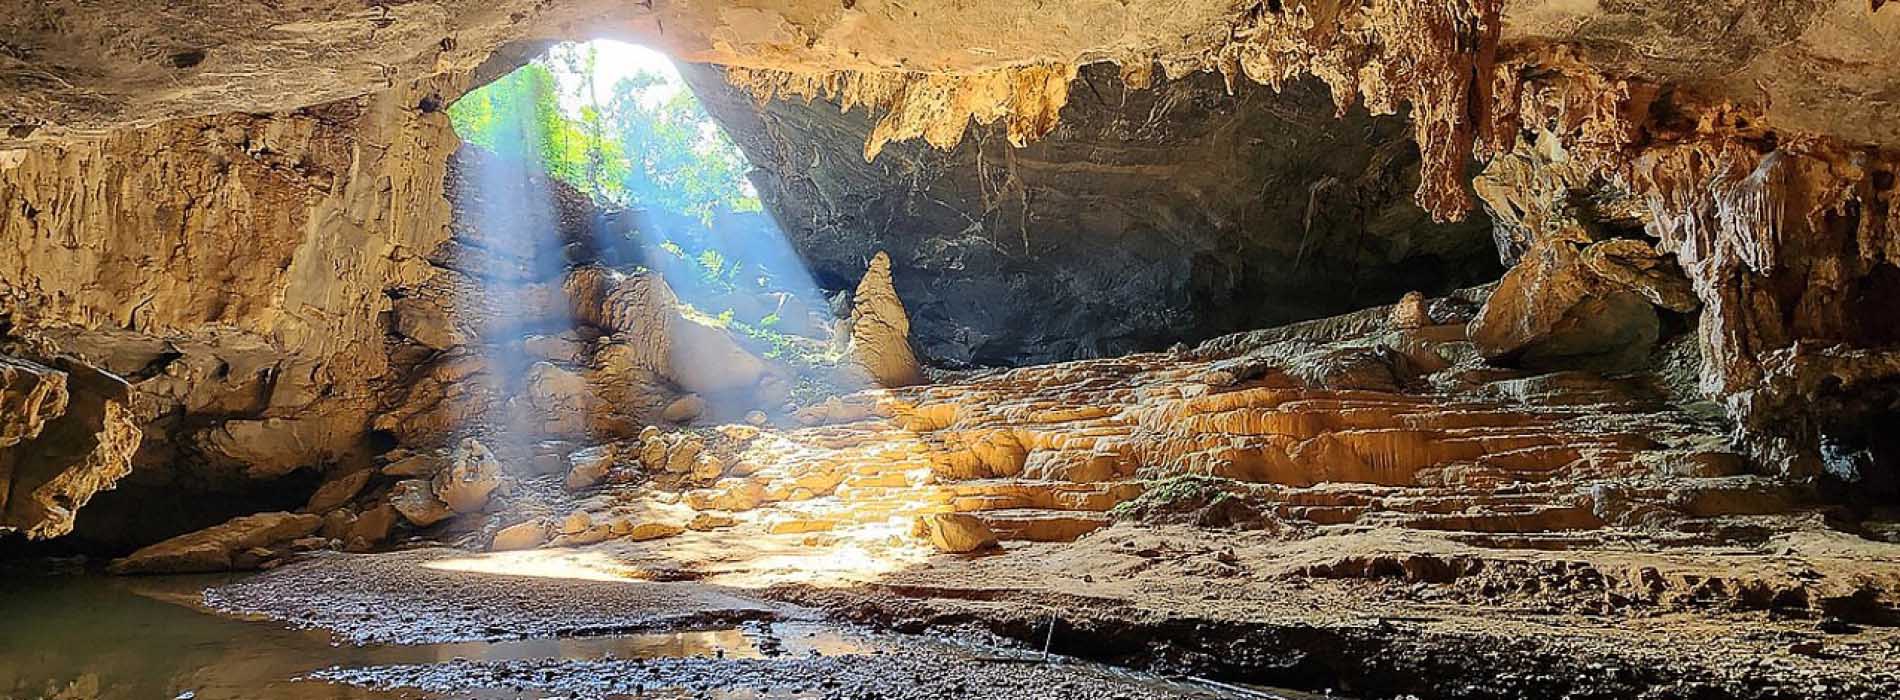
(1038, 525)
(999, 494)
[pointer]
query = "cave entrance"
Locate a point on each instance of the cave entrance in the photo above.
(596, 158)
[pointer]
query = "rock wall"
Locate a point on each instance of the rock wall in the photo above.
(1148, 216)
(1785, 242)
(234, 270)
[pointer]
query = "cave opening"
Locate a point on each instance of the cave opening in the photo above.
(791, 349)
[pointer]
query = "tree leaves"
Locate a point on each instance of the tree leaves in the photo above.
(633, 150)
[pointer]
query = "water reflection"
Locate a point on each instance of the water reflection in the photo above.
(74, 637)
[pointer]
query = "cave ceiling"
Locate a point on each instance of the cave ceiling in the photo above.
(71, 66)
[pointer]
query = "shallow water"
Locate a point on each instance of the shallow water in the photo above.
(84, 636)
(81, 637)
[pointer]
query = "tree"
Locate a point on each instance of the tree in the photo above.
(632, 150)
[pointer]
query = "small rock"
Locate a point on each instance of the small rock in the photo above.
(576, 522)
(1411, 313)
(684, 409)
(653, 530)
(710, 520)
(526, 535)
(757, 418)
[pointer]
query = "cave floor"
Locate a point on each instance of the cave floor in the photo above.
(1172, 599)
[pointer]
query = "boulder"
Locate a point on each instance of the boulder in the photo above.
(472, 476)
(220, 547)
(429, 322)
(1553, 312)
(559, 401)
(590, 466)
(422, 465)
(684, 455)
(338, 491)
(416, 501)
(30, 395)
(684, 409)
(956, 533)
(576, 522)
(372, 526)
(566, 347)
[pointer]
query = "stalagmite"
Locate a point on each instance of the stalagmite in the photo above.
(880, 330)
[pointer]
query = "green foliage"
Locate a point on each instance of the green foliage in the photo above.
(627, 149)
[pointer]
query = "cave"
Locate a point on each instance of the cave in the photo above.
(1468, 349)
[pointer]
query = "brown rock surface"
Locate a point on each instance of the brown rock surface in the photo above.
(219, 548)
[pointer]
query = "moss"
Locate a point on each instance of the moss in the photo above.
(1177, 494)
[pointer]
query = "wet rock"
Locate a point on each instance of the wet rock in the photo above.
(472, 476)
(527, 535)
(219, 548)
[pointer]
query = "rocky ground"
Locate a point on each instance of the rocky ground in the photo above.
(1362, 504)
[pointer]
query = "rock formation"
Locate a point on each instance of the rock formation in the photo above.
(67, 434)
(880, 330)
